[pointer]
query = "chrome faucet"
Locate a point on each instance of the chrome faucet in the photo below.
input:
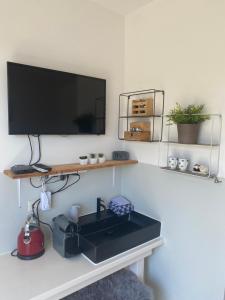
(100, 203)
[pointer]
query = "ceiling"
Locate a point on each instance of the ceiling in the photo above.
(122, 6)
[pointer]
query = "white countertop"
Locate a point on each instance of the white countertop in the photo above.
(53, 277)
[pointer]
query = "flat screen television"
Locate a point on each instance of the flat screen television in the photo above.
(44, 101)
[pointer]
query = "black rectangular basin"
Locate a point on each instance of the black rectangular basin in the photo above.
(109, 235)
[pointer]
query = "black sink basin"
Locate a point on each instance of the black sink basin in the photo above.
(109, 235)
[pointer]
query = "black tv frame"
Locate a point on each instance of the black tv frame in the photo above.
(14, 132)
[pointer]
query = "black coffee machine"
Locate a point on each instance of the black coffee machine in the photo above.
(65, 237)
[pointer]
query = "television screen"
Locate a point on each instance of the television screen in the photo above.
(43, 101)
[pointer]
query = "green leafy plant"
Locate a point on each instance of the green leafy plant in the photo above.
(192, 114)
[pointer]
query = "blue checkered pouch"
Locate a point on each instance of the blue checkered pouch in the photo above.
(120, 206)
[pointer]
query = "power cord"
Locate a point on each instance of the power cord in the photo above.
(14, 253)
(32, 151)
(39, 201)
(48, 181)
(61, 189)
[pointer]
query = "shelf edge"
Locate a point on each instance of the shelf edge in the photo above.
(71, 168)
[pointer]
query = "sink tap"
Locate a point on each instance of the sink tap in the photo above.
(100, 203)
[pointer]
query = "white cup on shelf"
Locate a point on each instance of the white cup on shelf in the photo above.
(183, 164)
(172, 162)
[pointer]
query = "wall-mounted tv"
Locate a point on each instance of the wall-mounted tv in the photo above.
(44, 101)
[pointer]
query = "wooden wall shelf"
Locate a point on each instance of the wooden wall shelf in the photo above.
(72, 168)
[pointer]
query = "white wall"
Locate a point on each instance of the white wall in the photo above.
(71, 35)
(190, 265)
(174, 45)
(178, 46)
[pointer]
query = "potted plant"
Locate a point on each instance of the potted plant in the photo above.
(188, 122)
(83, 160)
(93, 158)
(101, 158)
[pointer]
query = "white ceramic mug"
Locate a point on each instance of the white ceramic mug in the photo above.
(74, 212)
(183, 164)
(172, 162)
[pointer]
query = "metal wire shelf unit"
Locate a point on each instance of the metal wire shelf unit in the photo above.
(210, 143)
(125, 115)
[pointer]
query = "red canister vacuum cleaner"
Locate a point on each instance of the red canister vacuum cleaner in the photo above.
(30, 242)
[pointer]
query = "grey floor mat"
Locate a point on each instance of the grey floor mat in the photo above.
(122, 285)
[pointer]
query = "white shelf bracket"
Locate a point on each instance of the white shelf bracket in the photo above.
(113, 176)
(19, 192)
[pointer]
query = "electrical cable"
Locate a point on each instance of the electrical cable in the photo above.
(13, 253)
(48, 181)
(33, 209)
(39, 149)
(37, 203)
(62, 188)
(32, 151)
(43, 223)
(64, 185)
(34, 186)
(78, 175)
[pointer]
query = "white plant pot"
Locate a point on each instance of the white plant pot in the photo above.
(101, 160)
(83, 161)
(93, 160)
